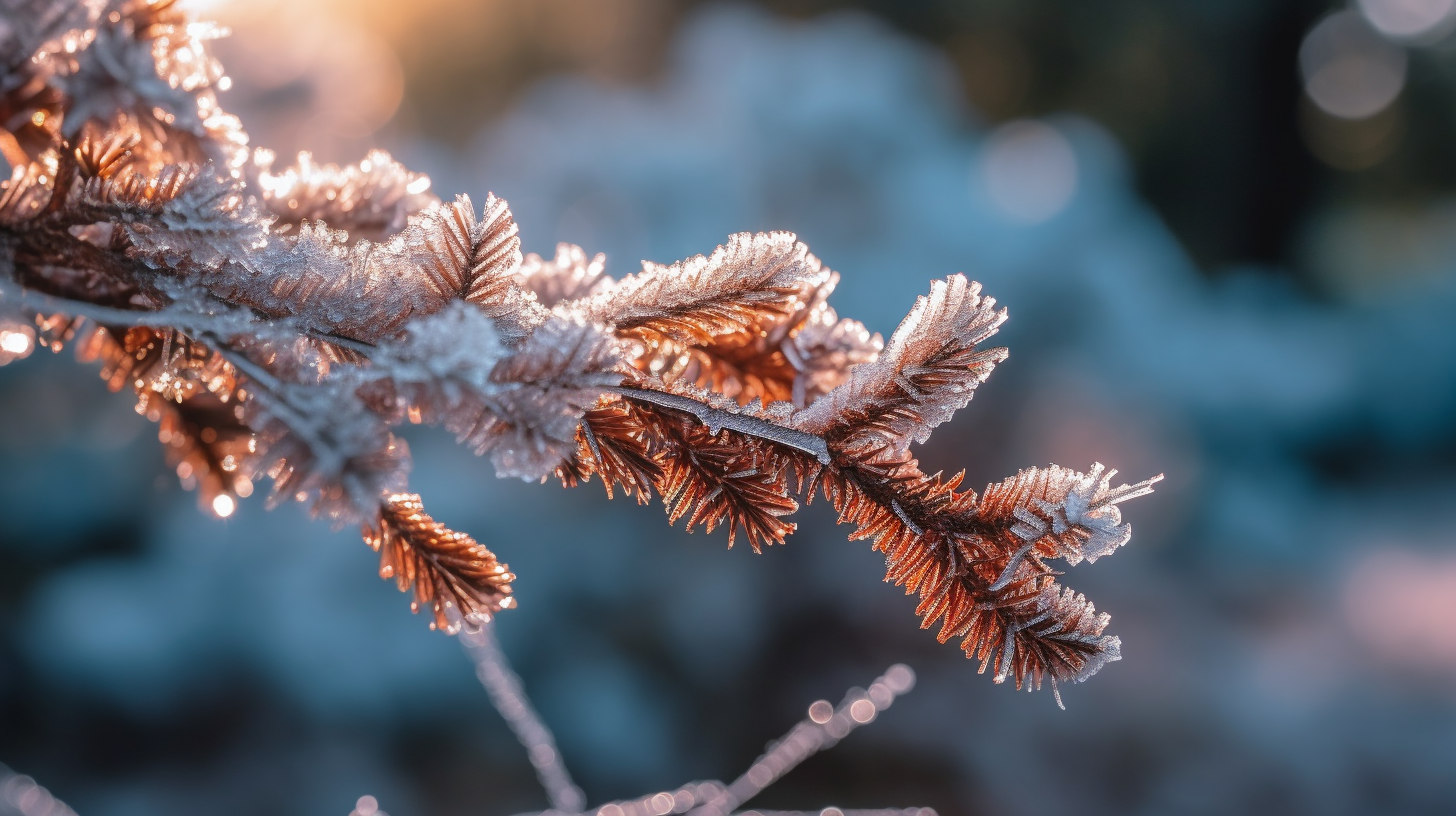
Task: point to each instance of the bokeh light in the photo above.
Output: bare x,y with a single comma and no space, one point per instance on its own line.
1352,144
301,90
17,341
1349,69
367,806
1029,170
1401,605
1418,20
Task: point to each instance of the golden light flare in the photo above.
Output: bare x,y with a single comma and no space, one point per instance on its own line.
16,343
224,505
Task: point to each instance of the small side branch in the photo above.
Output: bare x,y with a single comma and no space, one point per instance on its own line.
21,796
106,315
509,698
824,727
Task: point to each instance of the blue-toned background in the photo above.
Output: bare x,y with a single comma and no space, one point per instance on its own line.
1226,234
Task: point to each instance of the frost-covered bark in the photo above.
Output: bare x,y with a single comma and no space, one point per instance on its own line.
279,323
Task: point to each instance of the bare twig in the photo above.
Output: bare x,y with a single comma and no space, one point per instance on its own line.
21,796
509,698
822,728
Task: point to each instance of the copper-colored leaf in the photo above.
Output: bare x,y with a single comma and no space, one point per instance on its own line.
769,357
567,276
794,357
453,576
372,199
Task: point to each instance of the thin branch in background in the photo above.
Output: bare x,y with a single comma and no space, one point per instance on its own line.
509,698
825,725
823,728
834,811
21,796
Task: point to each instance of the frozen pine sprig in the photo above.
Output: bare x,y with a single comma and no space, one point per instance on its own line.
452,575
1064,513
279,324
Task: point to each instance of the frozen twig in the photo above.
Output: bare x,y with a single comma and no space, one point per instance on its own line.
509,698
21,796
834,811
823,728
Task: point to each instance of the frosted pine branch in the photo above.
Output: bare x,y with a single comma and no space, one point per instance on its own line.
280,324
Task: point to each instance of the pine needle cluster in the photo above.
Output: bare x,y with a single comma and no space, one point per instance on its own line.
279,325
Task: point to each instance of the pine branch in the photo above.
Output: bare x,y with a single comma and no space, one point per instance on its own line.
454,577
977,565
281,324
717,417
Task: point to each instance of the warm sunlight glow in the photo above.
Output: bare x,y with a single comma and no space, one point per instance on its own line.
15,343
224,505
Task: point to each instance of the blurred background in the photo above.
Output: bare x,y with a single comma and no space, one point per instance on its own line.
1226,234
